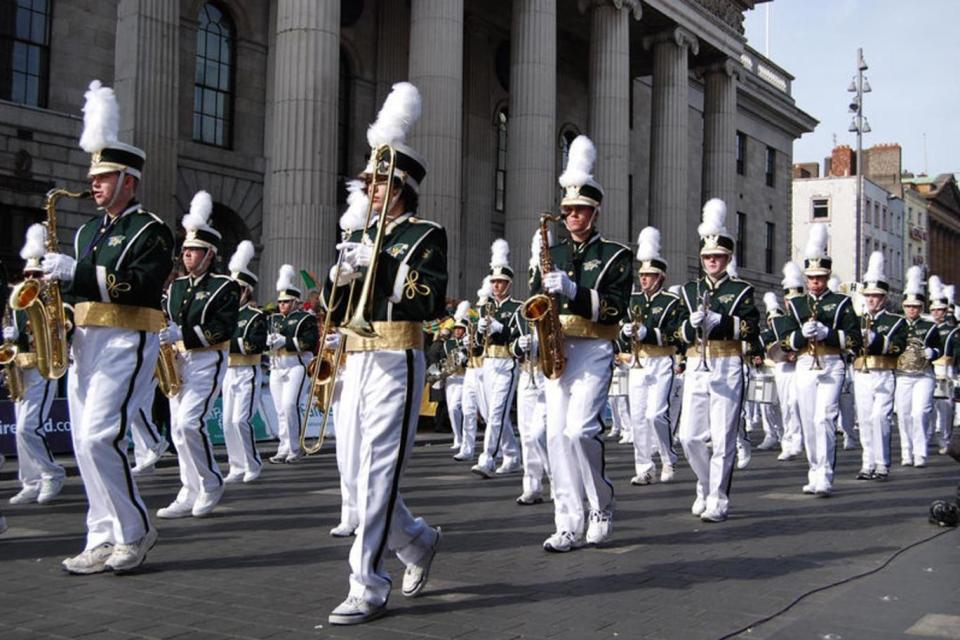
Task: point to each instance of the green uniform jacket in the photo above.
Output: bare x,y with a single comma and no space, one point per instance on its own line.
926,332
835,311
299,328
250,336
126,262
732,298
659,314
602,271
411,280
518,327
951,346
503,312
890,335
777,331
205,308
944,329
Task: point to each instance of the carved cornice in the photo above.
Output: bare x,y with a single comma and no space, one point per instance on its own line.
727,11
678,36
633,6
728,66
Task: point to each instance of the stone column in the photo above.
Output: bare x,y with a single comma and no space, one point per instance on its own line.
300,221
668,144
393,46
531,127
609,126
720,132
436,69
146,67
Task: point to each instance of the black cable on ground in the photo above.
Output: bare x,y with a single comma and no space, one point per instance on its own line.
807,594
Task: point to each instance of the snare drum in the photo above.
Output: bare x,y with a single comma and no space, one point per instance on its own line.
762,388
620,382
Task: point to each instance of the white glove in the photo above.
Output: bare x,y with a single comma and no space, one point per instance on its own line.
711,320
170,334
347,274
356,254
10,334
525,342
814,330
275,341
641,332
489,325
558,282
461,358
331,341
58,266
869,336
628,330
696,319
928,353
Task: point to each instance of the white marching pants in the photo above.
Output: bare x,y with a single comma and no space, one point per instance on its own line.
453,391
818,394
144,432
241,397
380,402
914,403
202,373
288,388
676,402
848,410
575,432
619,415
650,388
471,404
943,416
711,413
348,455
34,457
874,395
791,439
499,388
532,423
108,382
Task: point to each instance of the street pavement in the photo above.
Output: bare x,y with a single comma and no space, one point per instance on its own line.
263,566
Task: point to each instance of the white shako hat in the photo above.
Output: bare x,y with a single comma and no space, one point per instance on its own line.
774,310
937,293
239,265
816,261
913,293
714,237
579,186
875,280
648,252
484,292
34,246
500,261
460,315
101,122
732,270
400,111
286,287
200,235
792,282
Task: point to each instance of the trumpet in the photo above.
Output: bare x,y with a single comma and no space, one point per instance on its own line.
812,344
531,367
638,320
866,322
8,356
488,313
702,334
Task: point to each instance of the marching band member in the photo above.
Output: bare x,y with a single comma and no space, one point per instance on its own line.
915,382
884,338
771,356
750,411
620,425
384,375
714,388
242,382
149,444
122,260
648,334
499,367
453,386
291,339
202,308
845,418
941,300
676,389
41,477
826,325
784,373
472,400
591,281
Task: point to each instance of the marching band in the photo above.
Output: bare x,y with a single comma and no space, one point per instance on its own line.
692,364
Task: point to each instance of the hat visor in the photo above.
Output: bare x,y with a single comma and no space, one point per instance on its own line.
651,271
873,291
715,251
103,168
578,200
817,271
194,243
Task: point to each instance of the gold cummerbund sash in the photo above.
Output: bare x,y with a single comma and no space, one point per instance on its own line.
718,349
121,316
394,336
875,362
474,362
821,350
498,351
656,351
26,360
943,361
214,347
580,327
243,359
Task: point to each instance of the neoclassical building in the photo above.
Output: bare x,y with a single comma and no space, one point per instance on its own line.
265,104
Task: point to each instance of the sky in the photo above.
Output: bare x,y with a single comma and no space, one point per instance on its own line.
913,53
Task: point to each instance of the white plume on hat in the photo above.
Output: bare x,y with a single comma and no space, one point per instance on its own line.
286,279
399,113
714,218
875,268
35,246
101,118
241,258
200,209
771,302
499,253
817,242
357,203
674,289
648,244
580,158
833,283
484,291
935,287
792,276
949,291
535,247
732,268
914,284
462,310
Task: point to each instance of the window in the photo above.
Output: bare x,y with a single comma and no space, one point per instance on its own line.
821,208
771,166
768,264
741,152
500,189
213,81
741,239
25,51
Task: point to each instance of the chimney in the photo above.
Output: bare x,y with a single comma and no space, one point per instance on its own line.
843,162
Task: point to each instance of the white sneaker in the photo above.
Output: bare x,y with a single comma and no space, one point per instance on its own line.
250,476
277,459
919,463
154,454
49,490
233,477
206,502
416,575
809,489
613,434
90,561
140,471
26,495
786,455
823,489
699,506
460,457
127,557
625,439
294,458
562,542
481,471
767,444
906,462
455,446
506,469
529,498
667,473
743,456
642,479
356,610
713,515
600,527
342,530
175,509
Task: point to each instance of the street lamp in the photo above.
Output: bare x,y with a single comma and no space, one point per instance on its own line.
860,126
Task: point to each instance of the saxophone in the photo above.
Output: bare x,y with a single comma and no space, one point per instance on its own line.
542,312
42,302
12,373
167,372
635,345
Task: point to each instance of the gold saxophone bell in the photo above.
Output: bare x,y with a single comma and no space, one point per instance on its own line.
13,376
542,312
